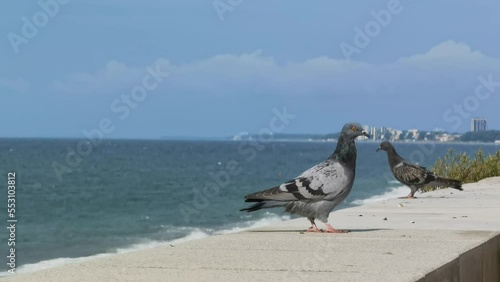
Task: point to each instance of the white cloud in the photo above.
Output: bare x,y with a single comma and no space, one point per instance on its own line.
449,49
451,54
448,64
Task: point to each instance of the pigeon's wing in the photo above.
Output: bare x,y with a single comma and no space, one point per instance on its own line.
326,179
410,174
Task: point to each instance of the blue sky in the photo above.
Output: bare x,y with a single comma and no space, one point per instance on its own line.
66,66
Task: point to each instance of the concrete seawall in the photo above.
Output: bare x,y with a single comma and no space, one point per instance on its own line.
445,235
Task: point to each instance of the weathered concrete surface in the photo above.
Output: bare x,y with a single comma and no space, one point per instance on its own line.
445,235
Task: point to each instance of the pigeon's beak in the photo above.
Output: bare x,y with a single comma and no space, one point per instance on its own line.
365,134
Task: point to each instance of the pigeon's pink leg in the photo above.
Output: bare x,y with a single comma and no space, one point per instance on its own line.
331,230
313,228
410,196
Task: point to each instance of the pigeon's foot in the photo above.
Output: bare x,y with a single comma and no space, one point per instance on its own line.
314,229
330,229
407,197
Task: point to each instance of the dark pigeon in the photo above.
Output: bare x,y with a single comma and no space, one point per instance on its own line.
412,175
318,190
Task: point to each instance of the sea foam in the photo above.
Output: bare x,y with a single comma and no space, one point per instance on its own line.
391,193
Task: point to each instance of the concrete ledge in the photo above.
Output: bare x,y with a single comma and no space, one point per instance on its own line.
444,235
481,263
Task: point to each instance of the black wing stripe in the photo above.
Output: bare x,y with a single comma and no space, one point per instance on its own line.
297,186
294,189
307,184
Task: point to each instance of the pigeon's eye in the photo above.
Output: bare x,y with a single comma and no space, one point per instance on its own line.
353,128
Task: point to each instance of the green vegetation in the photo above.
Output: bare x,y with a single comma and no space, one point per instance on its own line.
466,169
481,136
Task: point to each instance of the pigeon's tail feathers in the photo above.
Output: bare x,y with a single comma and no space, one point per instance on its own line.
270,198
261,204
272,194
446,182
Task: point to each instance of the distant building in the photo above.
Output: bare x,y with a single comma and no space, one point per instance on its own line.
373,132
414,133
445,137
478,124
397,134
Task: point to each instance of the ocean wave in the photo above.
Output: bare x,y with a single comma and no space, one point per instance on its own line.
391,193
270,218
194,233
46,264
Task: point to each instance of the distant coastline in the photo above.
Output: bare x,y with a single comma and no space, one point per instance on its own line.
382,133
364,141
256,137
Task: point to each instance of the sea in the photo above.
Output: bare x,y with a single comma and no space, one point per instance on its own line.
77,200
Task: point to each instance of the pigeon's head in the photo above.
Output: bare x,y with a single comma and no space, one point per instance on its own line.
386,145
352,130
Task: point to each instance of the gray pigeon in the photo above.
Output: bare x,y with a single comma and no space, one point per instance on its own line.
412,175
318,190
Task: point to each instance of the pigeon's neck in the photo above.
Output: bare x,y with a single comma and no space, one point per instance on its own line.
345,152
393,157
